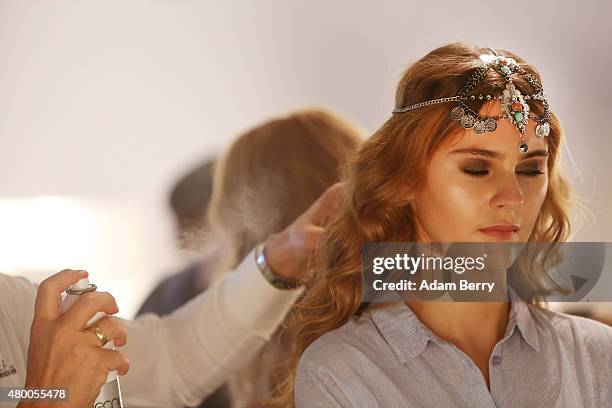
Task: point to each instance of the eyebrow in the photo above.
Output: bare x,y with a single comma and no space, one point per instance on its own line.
496,155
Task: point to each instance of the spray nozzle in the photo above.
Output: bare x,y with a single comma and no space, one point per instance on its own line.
82,284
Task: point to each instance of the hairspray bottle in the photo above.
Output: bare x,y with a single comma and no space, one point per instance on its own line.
110,393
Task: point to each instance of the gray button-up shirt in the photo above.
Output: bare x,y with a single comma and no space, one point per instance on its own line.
389,358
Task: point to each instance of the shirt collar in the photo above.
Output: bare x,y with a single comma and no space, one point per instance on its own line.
403,331
521,316
408,336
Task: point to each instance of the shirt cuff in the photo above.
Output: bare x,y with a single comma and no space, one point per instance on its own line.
259,305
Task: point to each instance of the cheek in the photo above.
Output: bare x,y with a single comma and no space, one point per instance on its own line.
450,205
535,194
459,193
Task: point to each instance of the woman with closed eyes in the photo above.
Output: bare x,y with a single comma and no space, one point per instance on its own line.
470,154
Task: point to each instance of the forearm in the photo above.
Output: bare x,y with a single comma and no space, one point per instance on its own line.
179,359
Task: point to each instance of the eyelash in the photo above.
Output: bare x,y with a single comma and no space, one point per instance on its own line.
482,173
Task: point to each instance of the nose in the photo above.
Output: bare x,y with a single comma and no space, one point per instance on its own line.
508,193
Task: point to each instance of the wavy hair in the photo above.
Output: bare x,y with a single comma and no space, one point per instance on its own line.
393,161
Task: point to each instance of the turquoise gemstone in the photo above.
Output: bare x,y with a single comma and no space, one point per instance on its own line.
505,69
518,116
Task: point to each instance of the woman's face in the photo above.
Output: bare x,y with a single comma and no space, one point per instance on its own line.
483,181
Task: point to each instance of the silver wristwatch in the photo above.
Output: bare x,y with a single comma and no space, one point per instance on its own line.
274,279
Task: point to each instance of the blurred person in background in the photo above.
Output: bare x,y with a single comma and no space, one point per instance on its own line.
267,177
189,199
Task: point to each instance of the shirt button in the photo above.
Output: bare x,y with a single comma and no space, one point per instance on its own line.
497,360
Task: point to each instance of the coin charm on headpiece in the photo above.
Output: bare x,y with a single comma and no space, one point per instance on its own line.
467,121
479,127
490,125
457,113
513,104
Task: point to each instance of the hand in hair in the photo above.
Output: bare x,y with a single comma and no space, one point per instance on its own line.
288,251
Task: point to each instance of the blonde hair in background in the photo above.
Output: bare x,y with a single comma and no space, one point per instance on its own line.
267,178
387,167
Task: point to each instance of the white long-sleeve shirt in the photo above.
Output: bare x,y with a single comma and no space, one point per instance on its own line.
176,360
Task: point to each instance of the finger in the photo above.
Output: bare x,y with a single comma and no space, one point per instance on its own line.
49,294
114,360
326,204
112,328
87,306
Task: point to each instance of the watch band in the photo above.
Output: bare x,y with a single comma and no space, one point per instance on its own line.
275,280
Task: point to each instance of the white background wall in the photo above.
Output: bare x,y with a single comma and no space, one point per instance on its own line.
104,103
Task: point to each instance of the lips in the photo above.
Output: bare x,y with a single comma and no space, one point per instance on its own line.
502,231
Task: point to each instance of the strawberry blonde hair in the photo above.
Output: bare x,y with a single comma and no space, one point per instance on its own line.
375,209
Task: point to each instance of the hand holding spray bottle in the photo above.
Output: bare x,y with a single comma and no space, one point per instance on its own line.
110,393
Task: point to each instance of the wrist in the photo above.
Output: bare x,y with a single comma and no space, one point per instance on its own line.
276,279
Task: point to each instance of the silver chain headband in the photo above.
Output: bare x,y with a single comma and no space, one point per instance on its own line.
513,104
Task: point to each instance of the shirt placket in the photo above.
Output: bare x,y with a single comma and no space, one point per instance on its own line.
480,397
496,364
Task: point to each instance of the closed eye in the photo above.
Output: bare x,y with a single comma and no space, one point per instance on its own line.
484,172
476,173
531,173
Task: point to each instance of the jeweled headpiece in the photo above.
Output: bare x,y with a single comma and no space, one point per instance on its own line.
514,106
